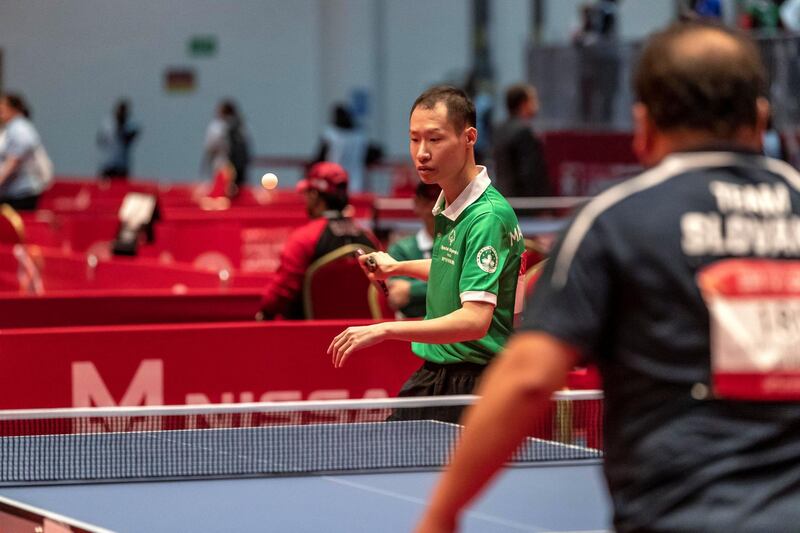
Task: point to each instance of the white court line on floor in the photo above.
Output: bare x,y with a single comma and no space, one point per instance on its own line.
472,514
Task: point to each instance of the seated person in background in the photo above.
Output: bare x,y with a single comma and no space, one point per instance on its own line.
407,295
325,190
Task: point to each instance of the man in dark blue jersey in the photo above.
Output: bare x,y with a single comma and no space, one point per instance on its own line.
683,286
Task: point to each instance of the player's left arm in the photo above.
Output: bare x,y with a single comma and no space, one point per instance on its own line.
516,391
471,321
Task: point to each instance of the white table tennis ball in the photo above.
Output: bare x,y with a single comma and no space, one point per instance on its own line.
269,180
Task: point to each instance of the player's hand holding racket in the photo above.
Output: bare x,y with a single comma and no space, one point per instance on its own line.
375,271
377,265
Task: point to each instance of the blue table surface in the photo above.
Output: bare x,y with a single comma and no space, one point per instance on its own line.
541,498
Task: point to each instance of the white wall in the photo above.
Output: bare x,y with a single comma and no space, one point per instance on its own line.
426,42
509,33
73,59
285,61
348,44
639,18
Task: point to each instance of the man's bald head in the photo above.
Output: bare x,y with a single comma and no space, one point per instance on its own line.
700,77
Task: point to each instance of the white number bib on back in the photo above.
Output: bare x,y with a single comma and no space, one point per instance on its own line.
754,309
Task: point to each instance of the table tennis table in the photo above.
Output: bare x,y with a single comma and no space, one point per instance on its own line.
333,477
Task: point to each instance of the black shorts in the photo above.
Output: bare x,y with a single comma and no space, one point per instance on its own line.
433,379
22,203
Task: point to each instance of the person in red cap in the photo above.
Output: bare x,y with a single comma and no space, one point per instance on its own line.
325,191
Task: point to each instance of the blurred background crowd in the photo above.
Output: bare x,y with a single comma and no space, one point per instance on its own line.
151,89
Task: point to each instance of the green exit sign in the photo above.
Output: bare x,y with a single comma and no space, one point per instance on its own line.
203,46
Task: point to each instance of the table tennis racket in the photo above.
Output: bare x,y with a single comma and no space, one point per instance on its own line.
372,266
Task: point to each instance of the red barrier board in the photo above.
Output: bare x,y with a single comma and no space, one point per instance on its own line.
582,163
178,364
248,245
80,308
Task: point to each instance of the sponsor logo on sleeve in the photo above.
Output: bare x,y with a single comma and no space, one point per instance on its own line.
487,259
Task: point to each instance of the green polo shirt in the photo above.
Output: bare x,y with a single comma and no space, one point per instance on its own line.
476,256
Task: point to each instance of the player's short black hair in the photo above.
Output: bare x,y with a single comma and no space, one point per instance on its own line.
228,108
700,76
460,109
17,101
516,95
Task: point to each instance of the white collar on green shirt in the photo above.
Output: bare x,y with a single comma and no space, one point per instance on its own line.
467,197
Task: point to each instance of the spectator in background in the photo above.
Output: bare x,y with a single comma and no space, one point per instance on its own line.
598,60
761,15
790,15
25,169
598,23
520,166
773,143
115,139
707,8
227,146
407,295
345,144
325,190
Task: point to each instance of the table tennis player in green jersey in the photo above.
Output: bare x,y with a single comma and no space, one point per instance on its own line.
475,267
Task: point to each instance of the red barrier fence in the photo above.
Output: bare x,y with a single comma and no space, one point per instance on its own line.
177,364
75,195
197,363
81,216
61,271
581,163
121,307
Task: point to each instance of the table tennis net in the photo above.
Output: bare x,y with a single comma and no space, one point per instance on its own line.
260,439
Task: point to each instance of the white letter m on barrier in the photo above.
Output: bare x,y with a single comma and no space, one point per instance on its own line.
146,387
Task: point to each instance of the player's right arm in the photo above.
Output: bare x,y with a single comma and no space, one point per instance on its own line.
385,266
516,391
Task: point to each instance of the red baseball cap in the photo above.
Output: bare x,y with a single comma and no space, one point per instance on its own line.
324,177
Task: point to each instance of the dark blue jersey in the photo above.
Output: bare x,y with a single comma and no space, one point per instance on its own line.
622,285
